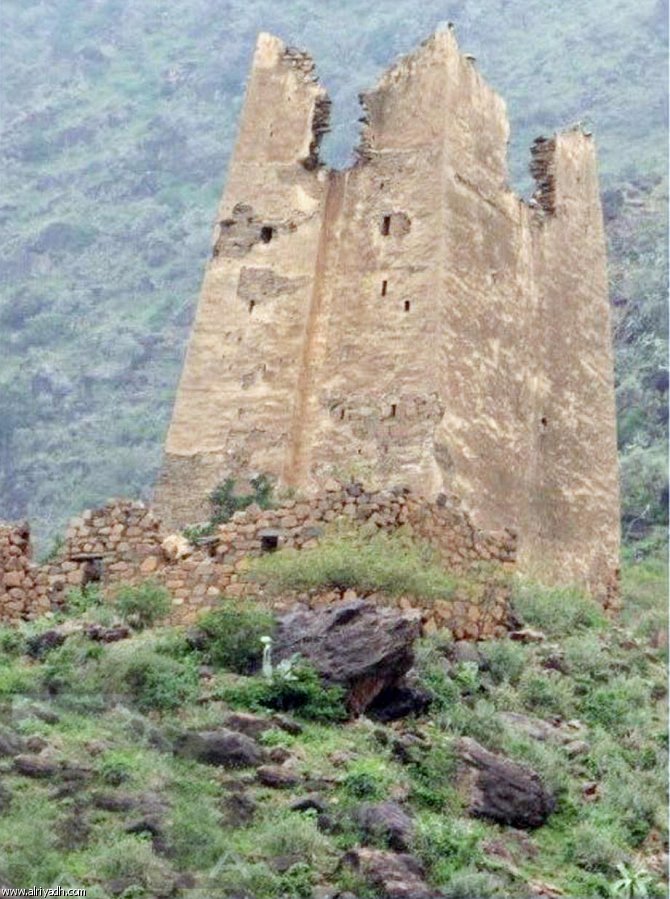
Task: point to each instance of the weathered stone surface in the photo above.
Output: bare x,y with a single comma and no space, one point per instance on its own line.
385,820
398,876
500,789
400,700
102,634
323,381
362,647
223,747
277,777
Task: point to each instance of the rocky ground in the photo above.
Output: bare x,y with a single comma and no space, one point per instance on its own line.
139,760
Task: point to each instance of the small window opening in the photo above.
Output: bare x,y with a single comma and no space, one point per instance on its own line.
385,285
252,303
269,543
267,233
407,305
341,414
386,225
393,410
543,421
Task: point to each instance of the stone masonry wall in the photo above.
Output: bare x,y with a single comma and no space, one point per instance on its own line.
123,543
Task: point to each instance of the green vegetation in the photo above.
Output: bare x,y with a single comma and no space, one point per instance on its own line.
144,605
227,498
297,689
390,563
118,121
233,633
111,712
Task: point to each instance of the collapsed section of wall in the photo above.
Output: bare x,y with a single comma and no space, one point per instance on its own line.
123,543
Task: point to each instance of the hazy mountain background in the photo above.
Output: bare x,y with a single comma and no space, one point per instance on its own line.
118,118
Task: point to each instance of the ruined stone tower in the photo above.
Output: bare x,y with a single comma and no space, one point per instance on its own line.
409,320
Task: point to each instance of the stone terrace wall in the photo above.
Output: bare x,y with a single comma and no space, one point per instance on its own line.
123,543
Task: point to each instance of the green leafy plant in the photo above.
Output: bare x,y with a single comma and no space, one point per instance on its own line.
296,688
634,882
143,605
226,500
233,634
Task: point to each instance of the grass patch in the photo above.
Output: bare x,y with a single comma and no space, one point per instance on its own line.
557,611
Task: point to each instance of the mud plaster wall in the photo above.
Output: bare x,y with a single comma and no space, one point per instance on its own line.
124,543
408,320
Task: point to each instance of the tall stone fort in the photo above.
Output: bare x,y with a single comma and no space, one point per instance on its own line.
408,320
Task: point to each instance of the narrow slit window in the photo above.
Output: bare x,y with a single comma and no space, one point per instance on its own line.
386,225
385,285
252,303
341,414
267,233
407,305
394,409
543,421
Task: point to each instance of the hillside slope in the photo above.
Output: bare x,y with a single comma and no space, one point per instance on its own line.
131,764
118,118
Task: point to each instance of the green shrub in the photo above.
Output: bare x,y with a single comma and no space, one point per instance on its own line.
225,501
594,847
506,660
367,779
114,769
557,611
129,858
354,559
446,845
12,643
620,706
303,694
546,693
72,668
155,681
432,773
233,635
79,600
144,605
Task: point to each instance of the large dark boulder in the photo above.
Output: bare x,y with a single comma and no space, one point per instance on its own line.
361,646
500,789
223,747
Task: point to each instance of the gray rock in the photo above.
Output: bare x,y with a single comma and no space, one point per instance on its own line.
358,645
223,747
277,777
500,789
398,876
386,820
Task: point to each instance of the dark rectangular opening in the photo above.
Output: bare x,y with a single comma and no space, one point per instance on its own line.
267,233
406,305
393,410
252,303
269,543
386,225
385,285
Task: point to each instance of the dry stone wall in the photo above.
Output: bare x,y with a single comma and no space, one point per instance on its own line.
123,543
